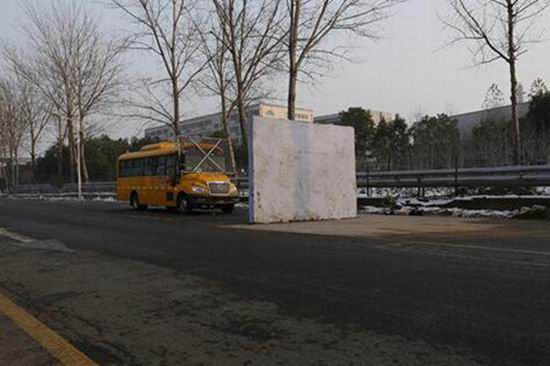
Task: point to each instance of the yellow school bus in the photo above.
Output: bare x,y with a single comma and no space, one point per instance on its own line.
183,176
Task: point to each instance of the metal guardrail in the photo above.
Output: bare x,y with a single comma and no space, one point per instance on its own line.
94,187
517,176
514,176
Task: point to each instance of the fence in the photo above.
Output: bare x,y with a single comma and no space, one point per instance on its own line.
517,176
523,176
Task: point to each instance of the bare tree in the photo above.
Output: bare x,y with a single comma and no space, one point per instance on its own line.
252,34
36,111
47,67
219,81
498,30
97,79
13,127
493,97
75,66
311,24
3,149
167,31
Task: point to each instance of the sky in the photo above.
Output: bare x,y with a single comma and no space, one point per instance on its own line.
408,71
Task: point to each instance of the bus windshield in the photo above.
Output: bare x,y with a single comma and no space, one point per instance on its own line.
214,164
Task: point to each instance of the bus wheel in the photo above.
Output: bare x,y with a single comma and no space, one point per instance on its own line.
228,209
184,204
134,202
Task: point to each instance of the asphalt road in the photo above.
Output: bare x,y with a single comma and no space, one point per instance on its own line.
487,292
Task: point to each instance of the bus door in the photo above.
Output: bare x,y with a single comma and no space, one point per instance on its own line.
161,181
169,181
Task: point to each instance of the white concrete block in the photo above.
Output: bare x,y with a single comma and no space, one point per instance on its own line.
301,171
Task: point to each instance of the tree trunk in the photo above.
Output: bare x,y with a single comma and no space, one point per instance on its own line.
60,160
83,165
240,99
237,64
292,94
225,122
33,163
33,154
176,100
82,147
11,170
242,120
515,118
513,84
71,139
295,8
16,170
60,139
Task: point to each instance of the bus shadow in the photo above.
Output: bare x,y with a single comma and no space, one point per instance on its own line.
239,216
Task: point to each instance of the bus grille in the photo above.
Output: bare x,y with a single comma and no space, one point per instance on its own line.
219,188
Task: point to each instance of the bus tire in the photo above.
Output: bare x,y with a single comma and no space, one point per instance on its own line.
184,204
228,209
134,202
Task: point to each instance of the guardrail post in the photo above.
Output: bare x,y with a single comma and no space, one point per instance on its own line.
456,178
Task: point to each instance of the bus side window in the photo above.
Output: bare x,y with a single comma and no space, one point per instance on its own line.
161,165
130,168
171,165
138,167
150,166
134,168
147,167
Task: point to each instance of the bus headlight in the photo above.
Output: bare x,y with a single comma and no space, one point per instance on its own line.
199,189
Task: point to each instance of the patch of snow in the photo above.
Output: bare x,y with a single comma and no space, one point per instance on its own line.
375,210
100,196
505,196
104,199
397,193
455,212
423,202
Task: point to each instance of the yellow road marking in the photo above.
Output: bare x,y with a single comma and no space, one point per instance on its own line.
58,347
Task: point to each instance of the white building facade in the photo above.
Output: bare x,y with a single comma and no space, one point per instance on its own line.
467,121
205,126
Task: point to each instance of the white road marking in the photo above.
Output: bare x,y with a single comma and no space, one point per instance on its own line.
15,236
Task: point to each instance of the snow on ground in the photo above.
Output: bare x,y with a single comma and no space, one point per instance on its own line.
103,197
433,193
403,192
455,212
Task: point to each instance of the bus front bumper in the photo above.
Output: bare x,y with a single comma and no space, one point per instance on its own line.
214,200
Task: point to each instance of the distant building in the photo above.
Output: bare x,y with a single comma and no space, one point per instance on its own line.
334,118
205,126
467,121
24,170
